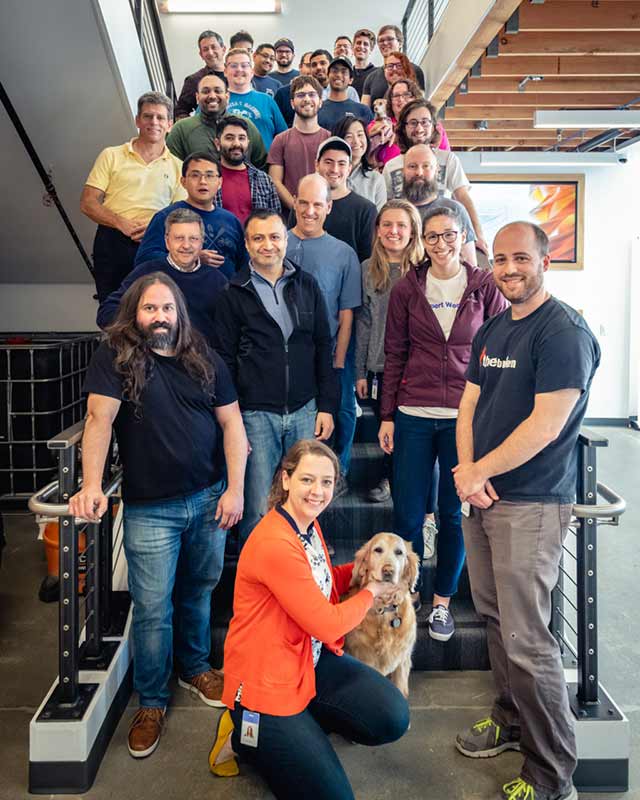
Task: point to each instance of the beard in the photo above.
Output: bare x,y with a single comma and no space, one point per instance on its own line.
417,190
525,290
160,336
232,156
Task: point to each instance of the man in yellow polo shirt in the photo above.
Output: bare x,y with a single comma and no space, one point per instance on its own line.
125,188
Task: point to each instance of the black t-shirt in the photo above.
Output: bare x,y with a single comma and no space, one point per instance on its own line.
512,361
171,450
352,220
360,76
376,84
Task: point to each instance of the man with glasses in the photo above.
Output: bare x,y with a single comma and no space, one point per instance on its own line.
293,153
223,246
364,43
263,59
337,105
211,49
198,133
420,187
284,73
246,101
343,47
183,234
390,40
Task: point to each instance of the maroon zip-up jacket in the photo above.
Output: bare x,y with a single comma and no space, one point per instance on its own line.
421,367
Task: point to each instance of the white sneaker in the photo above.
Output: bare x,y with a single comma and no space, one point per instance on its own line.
429,531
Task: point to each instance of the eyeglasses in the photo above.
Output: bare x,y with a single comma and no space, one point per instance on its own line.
244,65
401,96
448,236
412,124
304,95
394,66
198,176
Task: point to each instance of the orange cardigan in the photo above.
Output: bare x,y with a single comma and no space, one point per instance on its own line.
277,607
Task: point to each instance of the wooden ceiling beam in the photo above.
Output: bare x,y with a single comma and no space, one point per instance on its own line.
571,16
543,100
607,85
564,43
503,143
563,66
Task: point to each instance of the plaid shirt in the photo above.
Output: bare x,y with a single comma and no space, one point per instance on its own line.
263,191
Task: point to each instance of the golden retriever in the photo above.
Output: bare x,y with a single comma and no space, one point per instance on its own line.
386,636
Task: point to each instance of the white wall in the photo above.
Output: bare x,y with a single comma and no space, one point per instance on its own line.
603,289
309,25
39,307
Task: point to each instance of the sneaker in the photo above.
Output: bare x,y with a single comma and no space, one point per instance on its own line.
145,731
519,789
485,739
429,531
207,686
381,492
222,761
441,625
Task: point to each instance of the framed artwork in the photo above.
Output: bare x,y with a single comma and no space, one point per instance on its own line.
554,202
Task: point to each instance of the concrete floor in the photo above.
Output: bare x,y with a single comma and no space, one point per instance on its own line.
424,764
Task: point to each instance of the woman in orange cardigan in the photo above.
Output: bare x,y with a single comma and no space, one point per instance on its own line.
287,681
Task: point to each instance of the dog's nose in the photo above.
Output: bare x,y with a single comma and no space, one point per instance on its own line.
387,573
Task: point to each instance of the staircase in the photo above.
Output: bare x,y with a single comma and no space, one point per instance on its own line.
347,524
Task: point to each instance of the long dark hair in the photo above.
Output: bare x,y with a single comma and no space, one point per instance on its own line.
341,128
401,137
134,360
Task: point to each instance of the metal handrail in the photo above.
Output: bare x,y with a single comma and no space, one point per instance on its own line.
613,509
38,503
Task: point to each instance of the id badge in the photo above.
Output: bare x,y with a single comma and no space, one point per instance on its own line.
466,509
250,728
374,388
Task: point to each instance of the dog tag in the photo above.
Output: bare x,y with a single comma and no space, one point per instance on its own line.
250,728
396,622
374,388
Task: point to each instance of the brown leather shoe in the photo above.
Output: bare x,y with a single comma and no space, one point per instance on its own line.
207,686
145,731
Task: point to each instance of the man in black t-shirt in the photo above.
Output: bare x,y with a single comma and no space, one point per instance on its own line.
527,389
158,385
352,217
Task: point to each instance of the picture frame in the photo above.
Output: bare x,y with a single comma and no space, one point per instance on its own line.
554,202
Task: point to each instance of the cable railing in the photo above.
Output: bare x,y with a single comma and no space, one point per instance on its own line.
419,23
154,50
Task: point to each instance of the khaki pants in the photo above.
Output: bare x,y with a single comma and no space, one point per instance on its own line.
513,556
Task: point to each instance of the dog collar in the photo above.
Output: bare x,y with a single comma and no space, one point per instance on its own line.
396,621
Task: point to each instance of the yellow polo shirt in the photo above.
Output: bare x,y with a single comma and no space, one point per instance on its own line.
132,188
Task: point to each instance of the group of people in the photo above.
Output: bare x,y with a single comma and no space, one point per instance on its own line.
276,251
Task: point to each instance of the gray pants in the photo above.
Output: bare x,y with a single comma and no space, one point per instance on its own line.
513,555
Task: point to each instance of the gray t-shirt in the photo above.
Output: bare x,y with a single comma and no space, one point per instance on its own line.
335,266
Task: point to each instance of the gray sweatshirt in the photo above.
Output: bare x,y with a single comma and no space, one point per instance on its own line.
371,318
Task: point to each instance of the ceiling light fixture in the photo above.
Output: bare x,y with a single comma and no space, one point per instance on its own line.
222,6
587,119
526,79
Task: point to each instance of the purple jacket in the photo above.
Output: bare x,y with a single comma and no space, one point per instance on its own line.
421,367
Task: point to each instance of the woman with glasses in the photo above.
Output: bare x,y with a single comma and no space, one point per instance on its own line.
382,131
396,67
363,180
390,40
417,124
433,315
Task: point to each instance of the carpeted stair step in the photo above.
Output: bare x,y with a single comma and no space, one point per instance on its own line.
366,426
365,471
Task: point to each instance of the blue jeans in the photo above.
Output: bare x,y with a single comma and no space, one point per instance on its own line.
346,421
417,442
175,555
294,754
270,436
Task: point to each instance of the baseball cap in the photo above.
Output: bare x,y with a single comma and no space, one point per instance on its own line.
343,61
284,43
333,143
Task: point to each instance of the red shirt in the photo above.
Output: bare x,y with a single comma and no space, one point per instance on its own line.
236,192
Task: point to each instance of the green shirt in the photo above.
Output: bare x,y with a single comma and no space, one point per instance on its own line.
191,135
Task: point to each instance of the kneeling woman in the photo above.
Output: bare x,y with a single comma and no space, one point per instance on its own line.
287,681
